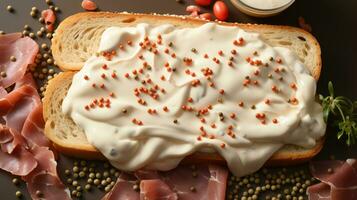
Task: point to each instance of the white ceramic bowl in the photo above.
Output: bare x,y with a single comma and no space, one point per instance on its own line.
260,12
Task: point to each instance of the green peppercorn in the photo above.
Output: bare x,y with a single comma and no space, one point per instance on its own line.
81,174
18,194
136,187
75,183
79,188
45,47
12,58
87,187
79,194
96,181
10,8
49,2
33,14
2,32
57,9
32,35
39,193
74,192
75,175
15,181
103,183
107,188
75,169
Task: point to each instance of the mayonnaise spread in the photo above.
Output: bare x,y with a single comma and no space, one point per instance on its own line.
156,94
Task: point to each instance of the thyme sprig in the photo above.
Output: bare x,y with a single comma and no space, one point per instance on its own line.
344,111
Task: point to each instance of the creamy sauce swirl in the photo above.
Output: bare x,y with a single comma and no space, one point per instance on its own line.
160,93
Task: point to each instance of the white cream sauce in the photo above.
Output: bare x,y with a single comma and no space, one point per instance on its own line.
132,138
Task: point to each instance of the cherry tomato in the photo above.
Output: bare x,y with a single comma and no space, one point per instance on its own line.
206,16
193,8
220,10
203,2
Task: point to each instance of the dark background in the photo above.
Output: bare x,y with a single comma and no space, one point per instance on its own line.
334,24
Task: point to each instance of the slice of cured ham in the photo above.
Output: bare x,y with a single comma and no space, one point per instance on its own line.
25,151
184,182
23,49
338,180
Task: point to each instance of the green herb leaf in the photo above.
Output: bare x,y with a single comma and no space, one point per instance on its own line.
344,111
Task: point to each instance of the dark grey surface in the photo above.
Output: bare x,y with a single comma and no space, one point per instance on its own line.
333,23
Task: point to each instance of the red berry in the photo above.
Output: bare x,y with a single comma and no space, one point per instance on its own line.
203,2
220,10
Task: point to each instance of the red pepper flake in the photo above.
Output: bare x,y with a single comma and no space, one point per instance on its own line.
248,59
163,78
100,105
102,85
241,104
127,75
86,77
294,101
135,72
134,120
140,123
199,138
223,145
220,52
173,55
206,56
92,105
193,74
140,57
276,70
167,51
141,70
234,52
94,85
221,91
211,84
111,94
274,89
263,121
256,72
204,134
202,129
267,101
275,121
256,82
246,82
165,109
293,86
212,137
230,127
233,115
129,42
190,99
260,115
279,60
114,75
203,120
213,125
103,75
105,66
107,105
86,107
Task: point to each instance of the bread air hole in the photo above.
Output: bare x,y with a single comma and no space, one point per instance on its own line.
301,38
286,43
52,125
129,20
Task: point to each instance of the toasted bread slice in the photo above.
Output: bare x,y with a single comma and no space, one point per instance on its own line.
77,38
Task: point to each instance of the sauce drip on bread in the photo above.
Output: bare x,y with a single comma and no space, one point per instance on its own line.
155,94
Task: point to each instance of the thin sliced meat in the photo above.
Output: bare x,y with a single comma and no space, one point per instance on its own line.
17,105
184,182
25,80
50,186
3,92
14,157
338,180
33,129
319,191
123,189
49,16
156,189
208,184
217,182
23,49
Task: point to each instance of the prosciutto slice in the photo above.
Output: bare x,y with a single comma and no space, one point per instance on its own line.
25,151
338,180
208,183
24,49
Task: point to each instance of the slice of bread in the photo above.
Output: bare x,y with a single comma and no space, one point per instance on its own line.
77,38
